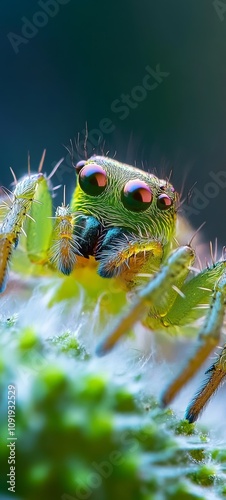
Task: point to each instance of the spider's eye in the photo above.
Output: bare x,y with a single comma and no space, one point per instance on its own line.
136,195
164,202
79,165
93,179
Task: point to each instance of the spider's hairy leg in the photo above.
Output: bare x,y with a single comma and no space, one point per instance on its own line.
12,223
209,336
65,245
151,296
120,253
215,377
217,372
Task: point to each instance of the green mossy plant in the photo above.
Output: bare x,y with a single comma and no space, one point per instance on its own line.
83,431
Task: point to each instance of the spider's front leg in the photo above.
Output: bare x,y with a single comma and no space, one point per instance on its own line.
176,302
154,299
28,210
215,376
208,339
121,253
19,207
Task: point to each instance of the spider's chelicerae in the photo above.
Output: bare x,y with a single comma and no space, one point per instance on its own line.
123,221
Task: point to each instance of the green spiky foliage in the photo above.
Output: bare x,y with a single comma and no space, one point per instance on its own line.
88,428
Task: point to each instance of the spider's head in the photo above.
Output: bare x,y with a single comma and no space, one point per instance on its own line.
122,197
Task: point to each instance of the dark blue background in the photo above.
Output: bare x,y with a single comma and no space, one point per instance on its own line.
90,53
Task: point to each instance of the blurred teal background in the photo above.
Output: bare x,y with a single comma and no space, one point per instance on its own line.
74,64
65,63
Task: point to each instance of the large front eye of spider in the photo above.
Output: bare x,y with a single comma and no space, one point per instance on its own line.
92,179
79,165
164,202
136,195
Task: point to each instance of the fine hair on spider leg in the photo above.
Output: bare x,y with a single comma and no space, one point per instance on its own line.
215,378
208,339
65,246
20,203
12,224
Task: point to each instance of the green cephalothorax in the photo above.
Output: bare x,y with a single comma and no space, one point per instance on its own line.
133,213
119,234
123,196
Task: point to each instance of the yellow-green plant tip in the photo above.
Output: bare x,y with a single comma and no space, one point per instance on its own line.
28,339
